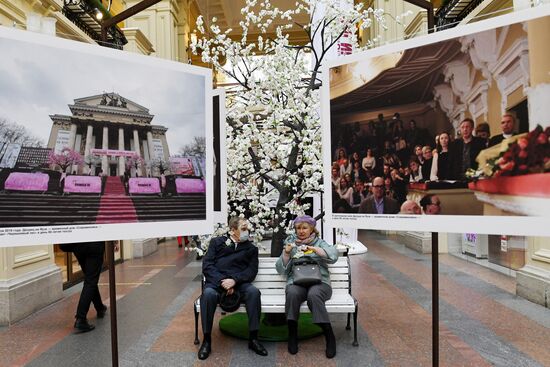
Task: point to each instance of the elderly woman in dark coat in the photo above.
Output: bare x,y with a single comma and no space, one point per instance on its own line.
306,242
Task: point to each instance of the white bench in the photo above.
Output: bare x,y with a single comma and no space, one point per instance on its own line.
272,287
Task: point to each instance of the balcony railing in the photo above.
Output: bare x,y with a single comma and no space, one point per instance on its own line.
454,11
82,13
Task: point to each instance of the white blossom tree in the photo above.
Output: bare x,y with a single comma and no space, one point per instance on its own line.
274,124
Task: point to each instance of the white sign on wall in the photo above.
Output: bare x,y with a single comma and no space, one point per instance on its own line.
158,149
10,156
62,140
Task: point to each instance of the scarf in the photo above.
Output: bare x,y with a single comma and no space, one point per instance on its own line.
308,241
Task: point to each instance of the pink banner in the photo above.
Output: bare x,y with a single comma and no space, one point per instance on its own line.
144,185
113,152
83,184
182,166
21,181
190,185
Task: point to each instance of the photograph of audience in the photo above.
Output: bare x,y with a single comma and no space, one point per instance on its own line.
398,156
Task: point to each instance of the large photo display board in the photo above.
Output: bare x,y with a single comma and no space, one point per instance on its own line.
446,133
93,143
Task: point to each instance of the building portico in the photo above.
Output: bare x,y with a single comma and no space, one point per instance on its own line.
106,129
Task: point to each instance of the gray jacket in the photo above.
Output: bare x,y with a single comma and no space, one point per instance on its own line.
330,250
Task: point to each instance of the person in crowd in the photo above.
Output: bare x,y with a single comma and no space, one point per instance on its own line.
483,131
399,186
410,207
416,172
464,150
378,203
388,188
507,124
229,266
386,170
431,204
441,165
355,158
359,194
418,154
345,191
340,205
335,176
342,160
306,241
369,162
381,129
357,173
390,158
413,135
90,258
426,168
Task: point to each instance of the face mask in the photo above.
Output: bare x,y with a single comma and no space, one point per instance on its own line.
243,236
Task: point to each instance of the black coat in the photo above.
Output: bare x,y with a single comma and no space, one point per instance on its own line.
222,261
455,154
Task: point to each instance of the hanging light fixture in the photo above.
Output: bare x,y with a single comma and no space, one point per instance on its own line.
98,14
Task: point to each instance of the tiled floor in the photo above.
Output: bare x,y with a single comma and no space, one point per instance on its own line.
483,323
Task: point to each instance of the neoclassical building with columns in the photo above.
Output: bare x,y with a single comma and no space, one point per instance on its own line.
108,127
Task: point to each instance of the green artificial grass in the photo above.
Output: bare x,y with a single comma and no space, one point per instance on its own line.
236,325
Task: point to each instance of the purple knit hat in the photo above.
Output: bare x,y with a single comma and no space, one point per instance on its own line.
304,219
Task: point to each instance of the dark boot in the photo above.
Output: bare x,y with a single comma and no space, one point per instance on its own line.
206,347
292,336
330,340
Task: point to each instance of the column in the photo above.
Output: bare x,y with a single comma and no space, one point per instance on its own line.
72,137
137,150
151,149
105,145
121,159
539,77
88,146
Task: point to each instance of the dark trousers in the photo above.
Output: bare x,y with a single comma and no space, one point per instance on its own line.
250,295
316,296
90,258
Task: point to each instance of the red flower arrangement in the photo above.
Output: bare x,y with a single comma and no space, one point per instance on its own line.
529,154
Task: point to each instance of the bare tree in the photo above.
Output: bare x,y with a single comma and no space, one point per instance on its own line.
197,148
12,132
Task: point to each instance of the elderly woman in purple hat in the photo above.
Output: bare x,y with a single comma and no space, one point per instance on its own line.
306,242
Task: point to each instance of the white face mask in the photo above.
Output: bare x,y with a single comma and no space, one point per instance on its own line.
243,236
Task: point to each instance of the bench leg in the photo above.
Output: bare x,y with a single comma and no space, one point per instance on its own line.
348,327
355,343
196,341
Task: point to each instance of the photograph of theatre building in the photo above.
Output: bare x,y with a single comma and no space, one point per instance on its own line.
465,120
106,129
105,137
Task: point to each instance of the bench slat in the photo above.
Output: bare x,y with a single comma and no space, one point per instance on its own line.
341,270
279,278
270,285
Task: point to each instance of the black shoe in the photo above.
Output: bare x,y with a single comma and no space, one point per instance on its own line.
292,337
255,345
82,326
101,312
330,339
204,350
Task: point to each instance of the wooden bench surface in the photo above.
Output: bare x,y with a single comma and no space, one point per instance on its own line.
272,287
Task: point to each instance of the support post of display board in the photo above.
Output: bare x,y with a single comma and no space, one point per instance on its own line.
435,299
112,303
111,249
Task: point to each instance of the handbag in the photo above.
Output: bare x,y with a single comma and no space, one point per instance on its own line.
306,272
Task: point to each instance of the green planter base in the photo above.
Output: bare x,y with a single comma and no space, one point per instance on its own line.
236,325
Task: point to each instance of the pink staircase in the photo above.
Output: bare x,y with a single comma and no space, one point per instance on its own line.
115,206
